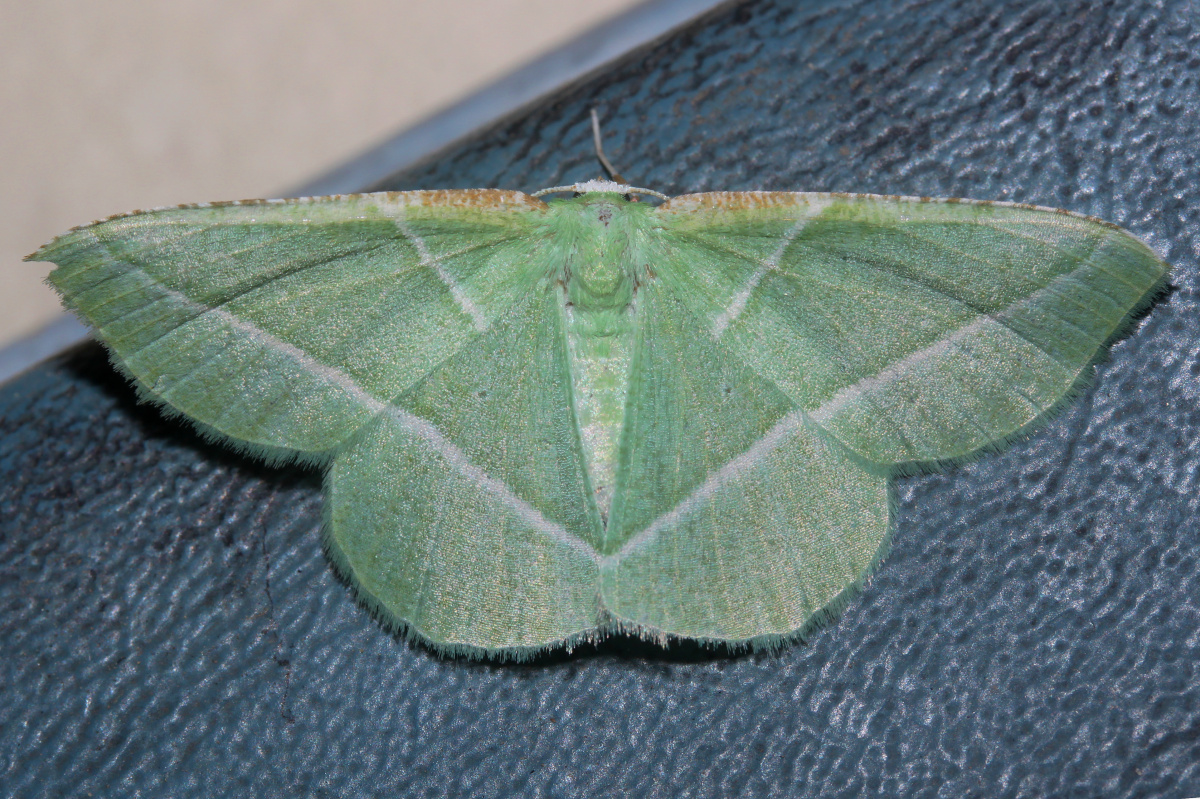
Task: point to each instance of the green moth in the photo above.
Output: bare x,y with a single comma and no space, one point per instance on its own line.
545,420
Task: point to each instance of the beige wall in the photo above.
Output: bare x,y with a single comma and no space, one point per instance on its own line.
122,104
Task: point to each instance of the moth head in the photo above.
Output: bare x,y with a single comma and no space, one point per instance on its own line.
601,186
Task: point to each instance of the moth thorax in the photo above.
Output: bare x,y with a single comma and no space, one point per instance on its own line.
601,276
600,282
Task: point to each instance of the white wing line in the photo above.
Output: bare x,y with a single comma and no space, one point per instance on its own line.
819,415
866,385
713,483
255,333
420,428
462,464
466,303
738,305
822,413
853,392
408,422
335,376
775,436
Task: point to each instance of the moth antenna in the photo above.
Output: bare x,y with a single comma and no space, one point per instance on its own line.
604,162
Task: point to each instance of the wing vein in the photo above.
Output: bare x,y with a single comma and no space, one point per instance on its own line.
1065,253
407,421
969,303
198,307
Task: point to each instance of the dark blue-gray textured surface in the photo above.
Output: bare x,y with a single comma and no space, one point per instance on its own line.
171,628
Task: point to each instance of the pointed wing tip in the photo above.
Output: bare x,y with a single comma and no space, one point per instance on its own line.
45,253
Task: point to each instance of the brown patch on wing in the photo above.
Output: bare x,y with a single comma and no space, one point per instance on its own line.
730,200
740,200
494,199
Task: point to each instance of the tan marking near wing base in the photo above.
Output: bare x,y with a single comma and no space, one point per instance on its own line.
740,200
493,199
498,199
734,200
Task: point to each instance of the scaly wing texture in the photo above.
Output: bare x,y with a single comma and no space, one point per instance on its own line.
415,338
734,519
290,323
464,512
797,348
792,349
910,330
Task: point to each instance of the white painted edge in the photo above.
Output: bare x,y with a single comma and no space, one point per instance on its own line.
548,73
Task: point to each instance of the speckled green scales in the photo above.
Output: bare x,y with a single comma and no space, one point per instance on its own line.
542,421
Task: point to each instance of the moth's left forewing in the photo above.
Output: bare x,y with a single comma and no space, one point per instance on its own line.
910,329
